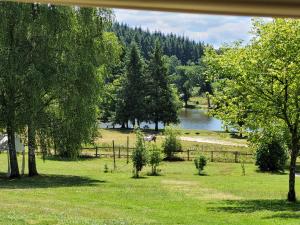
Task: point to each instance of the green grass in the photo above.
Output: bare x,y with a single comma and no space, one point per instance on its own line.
198,102
79,192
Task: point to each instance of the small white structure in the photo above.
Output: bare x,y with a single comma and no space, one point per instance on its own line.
4,143
20,148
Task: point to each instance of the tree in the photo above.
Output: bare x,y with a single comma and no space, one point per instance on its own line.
133,87
155,158
162,103
171,143
271,154
268,71
200,163
140,154
172,45
13,52
76,111
184,81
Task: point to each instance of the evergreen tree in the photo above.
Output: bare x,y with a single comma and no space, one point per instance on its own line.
133,84
171,44
163,102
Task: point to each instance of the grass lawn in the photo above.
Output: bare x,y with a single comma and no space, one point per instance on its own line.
79,192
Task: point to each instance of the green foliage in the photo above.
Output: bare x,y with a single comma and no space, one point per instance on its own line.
181,47
140,154
155,158
171,143
162,104
200,163
267,73
271,153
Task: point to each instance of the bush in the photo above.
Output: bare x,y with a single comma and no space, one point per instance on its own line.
140,154
106,168
200,163
155,158
271,154
171,143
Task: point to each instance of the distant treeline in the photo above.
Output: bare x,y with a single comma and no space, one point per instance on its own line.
183,48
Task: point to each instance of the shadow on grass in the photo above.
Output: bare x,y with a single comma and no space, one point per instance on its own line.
80,158
46,181
272,172
281,208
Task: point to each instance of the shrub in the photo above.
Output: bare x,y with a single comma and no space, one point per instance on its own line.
271,154
243,168
200,163
140,154
155,158
106,168
171,143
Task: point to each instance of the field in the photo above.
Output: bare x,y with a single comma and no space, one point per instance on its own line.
79,192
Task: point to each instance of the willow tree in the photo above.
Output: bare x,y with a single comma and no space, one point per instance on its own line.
75,112
13,54
268,72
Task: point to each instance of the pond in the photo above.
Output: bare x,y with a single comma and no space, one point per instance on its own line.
190,119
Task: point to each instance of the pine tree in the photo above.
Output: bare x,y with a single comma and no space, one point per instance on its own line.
163,102
132,93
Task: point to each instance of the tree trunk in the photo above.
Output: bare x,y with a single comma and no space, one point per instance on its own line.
208,101
123,125
292,192
241,132
185,103
14,168
32,171
156,125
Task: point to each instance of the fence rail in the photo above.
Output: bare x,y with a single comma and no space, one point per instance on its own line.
188,154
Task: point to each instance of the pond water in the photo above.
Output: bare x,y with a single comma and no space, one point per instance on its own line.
192,119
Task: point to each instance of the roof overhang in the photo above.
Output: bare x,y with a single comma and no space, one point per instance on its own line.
275,8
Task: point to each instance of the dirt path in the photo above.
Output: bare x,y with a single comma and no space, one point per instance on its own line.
212,141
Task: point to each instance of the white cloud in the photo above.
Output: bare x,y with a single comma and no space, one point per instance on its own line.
211,29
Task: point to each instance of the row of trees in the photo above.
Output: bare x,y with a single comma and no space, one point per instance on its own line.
142,91
184,49
49,78
257,86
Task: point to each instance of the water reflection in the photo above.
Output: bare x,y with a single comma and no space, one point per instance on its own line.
199,120
193,119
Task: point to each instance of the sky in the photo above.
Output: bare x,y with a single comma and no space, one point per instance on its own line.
212,29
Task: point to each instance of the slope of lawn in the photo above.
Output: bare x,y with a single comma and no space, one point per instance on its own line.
79,192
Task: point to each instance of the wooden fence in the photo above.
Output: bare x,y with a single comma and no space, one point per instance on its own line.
216,155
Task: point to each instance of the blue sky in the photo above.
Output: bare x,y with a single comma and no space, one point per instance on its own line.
212,29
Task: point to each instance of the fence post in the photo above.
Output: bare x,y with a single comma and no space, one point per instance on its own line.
114,154
236,157
188,155
127,150
212,156
96,151
119,156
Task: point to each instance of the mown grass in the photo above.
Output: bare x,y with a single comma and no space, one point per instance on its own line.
79,192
